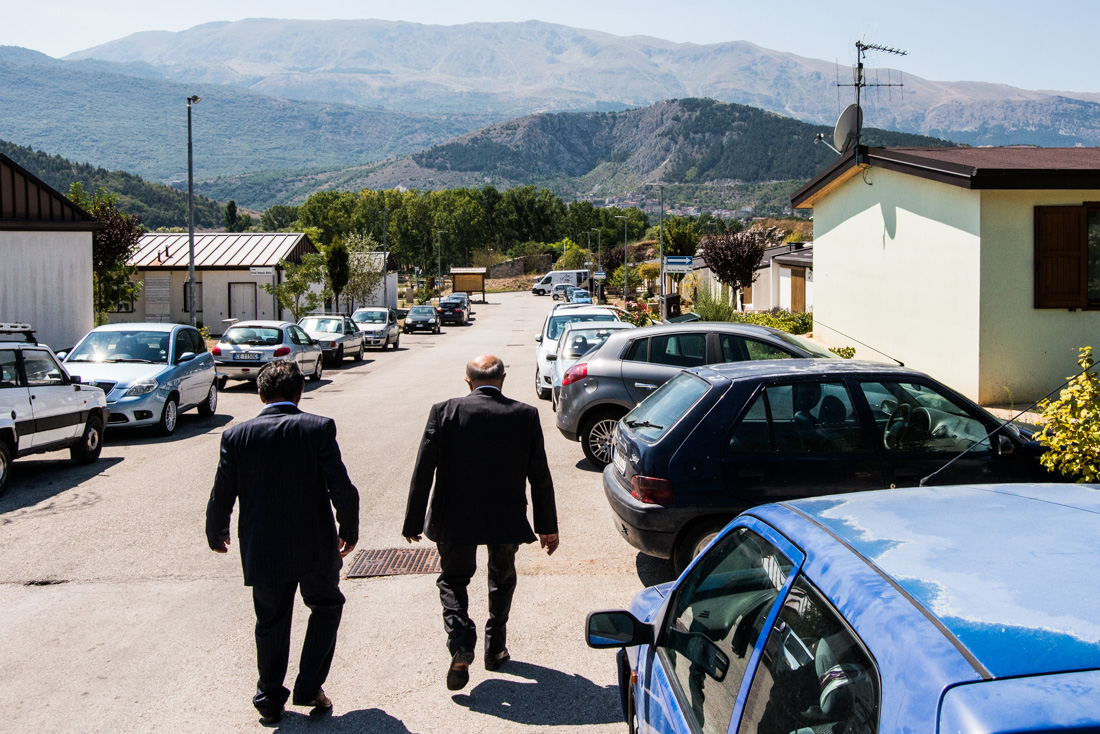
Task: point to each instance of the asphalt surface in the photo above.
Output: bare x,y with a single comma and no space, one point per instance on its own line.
115,617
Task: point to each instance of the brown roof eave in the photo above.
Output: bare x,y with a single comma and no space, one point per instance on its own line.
837,170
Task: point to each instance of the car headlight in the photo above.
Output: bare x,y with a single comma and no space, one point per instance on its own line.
328,345
142,388
431,321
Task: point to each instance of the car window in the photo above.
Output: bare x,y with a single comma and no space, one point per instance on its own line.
303,337
740,349
813,676
326,325
813,348
182,344
918,418
638,351
671,401
715,618
557,323
41,369
583,341
255,336
9,370
122,346
799,418
678,350
198,344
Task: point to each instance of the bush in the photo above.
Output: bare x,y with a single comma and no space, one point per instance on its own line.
710,308
1071,425
843,352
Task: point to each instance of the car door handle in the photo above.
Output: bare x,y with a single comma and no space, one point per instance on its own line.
645,385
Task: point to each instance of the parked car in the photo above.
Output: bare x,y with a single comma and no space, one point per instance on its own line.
547,339
468,303
453,311
577,340
580,295
544,284
603,386
337,335
961,609
421,318
150,372
378,326
715,440
42,407
247,346
561,291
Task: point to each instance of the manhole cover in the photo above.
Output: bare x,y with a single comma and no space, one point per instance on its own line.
394,562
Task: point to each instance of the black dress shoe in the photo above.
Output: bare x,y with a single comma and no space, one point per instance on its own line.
272,719
494,660
320,701
458,673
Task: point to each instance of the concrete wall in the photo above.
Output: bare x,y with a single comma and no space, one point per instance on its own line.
1025,352
897,265
46,281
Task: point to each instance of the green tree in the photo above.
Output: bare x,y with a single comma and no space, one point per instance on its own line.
573,256
1071,425
337,267
733,257
278,217
296,292
112,247
365,269
681,237
235,222
330,212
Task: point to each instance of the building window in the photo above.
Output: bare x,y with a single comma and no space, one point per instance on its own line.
187,299
1067,256
124,306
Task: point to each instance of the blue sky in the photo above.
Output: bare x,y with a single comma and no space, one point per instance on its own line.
1048,45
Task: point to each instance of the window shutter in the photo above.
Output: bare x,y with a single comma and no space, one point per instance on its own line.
1060,257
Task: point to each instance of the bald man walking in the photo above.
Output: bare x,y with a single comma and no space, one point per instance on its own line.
480,450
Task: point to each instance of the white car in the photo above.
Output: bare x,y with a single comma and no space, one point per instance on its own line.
547,339
42,408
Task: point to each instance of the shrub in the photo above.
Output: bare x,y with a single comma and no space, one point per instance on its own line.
843,352
710,308
1071,425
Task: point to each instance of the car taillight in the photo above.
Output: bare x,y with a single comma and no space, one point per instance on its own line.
439,310
216,351
282,351
651,490
458,310
575,373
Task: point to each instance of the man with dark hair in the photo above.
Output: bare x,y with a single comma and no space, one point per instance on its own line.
285,468
480,450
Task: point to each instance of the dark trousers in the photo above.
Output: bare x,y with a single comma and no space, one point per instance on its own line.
274,606
458,562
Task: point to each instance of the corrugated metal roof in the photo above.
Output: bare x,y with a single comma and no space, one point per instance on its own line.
221,250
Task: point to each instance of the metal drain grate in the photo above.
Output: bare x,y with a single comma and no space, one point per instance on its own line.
394,562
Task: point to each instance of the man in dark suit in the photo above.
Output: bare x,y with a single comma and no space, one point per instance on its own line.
480,450
285,468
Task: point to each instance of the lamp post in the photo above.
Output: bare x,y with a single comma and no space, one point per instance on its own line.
191,101
439,266
661,235
599,255
385,263
626,261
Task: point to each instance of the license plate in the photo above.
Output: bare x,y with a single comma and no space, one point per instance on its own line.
618,459
247,355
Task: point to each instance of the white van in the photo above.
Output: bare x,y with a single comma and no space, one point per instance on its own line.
546,283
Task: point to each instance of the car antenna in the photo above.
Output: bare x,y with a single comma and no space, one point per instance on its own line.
857,341
924,482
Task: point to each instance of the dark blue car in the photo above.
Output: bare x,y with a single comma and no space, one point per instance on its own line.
958,610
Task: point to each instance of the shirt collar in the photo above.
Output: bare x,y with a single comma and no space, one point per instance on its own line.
487,387
281,402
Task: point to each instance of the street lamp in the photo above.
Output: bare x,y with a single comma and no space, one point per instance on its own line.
626,261
439,265
385,263
661,241
599,256
191,101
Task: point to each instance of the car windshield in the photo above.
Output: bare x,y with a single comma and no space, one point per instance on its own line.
122,346
657,413
579,342
557,323
329,326
253,336
815,349
580,293
422,311
369,317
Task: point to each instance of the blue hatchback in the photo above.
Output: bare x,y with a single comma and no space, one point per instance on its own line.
951,609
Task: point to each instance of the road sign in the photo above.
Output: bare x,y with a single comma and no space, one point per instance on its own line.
599,275
678,263
269,270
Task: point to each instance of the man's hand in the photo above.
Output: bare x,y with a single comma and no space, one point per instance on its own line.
412,538
223,548
344,548
549,542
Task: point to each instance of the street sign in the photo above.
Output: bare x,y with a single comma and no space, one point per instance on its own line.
599,275
269,270
678,263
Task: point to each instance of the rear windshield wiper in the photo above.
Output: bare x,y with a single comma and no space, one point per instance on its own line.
133,359
643,424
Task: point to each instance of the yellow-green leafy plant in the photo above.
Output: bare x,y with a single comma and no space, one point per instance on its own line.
1071,425
843,352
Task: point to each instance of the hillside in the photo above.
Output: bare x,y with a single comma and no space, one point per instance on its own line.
157,204
94,110
718,154
512,69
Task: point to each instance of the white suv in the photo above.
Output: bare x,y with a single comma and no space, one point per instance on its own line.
42,408
548,339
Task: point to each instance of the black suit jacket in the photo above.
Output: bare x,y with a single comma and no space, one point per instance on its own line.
481,449
284,466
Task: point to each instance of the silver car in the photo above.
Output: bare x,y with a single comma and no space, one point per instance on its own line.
577,340
337,335
247,346
378,326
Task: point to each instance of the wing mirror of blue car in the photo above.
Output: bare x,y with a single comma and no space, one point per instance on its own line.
606,630
185,357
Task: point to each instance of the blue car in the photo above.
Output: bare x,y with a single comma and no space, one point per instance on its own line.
150,372
580,295
951,609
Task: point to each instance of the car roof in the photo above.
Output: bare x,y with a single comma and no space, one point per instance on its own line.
364,309
756,369
140,326
1007,572
268,324
595,325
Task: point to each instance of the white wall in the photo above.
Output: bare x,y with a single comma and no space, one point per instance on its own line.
897,265
1025,352
46,281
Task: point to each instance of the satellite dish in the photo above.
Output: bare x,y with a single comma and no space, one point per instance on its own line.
847,127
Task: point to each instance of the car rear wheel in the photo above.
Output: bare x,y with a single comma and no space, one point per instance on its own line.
91,442
358,357
209,406
596,434
540,391
5,465
693,540
169,417
318,370
396,342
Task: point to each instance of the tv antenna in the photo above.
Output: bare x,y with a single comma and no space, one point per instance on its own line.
849,126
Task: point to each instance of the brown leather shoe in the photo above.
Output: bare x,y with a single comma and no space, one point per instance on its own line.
494,660
320,701
458,672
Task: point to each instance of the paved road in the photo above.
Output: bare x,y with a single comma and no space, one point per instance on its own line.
116,618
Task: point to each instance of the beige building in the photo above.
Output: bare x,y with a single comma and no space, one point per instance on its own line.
979,266
45,258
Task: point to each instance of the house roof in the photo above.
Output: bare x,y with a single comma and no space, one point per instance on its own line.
970,168
26,203
220,250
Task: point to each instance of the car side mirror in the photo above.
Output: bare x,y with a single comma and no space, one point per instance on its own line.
606,630
312,340
552,357
61,355
538,338
75,379
1005,446
185,357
